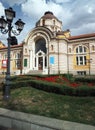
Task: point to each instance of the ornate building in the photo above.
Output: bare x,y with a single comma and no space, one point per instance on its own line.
47,49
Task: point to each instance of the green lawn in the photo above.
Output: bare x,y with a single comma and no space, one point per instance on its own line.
31,100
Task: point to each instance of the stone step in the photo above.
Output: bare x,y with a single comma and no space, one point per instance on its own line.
35,72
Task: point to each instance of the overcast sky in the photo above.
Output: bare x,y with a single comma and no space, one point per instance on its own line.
76,15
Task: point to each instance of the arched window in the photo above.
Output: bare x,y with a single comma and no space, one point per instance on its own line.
81,49
54,22
81,55
25,50
43,22
69,50
93,47
51,47
40,45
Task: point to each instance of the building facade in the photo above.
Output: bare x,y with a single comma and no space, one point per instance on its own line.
47,49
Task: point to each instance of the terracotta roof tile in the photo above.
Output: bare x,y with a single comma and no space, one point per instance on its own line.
82,36
5,47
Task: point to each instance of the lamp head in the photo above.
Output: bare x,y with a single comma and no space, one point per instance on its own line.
3,23
19,25
10,14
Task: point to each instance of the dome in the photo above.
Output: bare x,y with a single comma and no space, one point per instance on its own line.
48,15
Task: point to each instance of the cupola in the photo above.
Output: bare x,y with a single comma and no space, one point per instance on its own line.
50,21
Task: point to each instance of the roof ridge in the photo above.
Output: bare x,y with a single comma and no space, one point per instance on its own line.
82,36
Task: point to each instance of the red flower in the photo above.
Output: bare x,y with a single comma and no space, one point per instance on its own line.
74,85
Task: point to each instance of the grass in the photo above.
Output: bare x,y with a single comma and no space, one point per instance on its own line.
31,100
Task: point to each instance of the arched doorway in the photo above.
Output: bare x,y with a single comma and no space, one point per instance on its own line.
40,62
40,54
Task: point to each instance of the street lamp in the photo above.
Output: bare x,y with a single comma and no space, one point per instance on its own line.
6,27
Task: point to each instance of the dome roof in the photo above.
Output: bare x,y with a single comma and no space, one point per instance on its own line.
48,15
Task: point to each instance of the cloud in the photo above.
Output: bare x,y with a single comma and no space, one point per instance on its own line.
76,15
62,1
86,28
79,16
13,2
2,37
38,8
1,9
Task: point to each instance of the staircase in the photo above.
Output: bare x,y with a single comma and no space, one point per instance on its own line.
35,72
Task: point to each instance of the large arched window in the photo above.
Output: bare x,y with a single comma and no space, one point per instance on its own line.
81,49
81,55
40,45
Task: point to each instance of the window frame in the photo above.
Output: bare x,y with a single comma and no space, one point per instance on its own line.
81,55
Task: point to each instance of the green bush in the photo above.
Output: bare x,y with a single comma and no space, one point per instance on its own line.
83,80
55,88
26,81
85,91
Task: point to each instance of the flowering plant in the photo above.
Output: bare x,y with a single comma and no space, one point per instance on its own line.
65,81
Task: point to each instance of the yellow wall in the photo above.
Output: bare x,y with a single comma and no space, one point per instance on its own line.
81,67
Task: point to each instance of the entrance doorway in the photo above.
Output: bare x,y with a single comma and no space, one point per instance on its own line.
40,63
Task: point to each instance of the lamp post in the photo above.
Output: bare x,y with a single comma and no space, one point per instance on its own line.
6,27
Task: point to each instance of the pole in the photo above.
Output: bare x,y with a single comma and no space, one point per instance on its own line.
7,84
58,59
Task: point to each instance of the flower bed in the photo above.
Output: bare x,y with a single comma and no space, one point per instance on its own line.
63,80
58,84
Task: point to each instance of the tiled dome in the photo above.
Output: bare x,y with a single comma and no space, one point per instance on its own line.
48,15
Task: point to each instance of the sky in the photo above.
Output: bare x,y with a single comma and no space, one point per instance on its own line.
76,15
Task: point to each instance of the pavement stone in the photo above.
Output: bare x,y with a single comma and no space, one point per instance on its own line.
23,121
5,128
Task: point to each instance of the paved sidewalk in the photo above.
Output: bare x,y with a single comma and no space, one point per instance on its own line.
4,128
24,121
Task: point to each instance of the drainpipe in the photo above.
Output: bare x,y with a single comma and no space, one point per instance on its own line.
48,59
89,61
22,61
58,59
67,62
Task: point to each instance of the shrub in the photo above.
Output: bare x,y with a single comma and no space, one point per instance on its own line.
85,91
64,89
56,88
85,80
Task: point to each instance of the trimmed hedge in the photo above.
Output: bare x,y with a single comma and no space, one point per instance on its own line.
55,88
24,81
85,80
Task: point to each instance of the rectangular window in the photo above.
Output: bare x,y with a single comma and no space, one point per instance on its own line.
84,49
77,50
18,64
77,60
45,61
85,60
81,72
81,60
35,62
25,62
